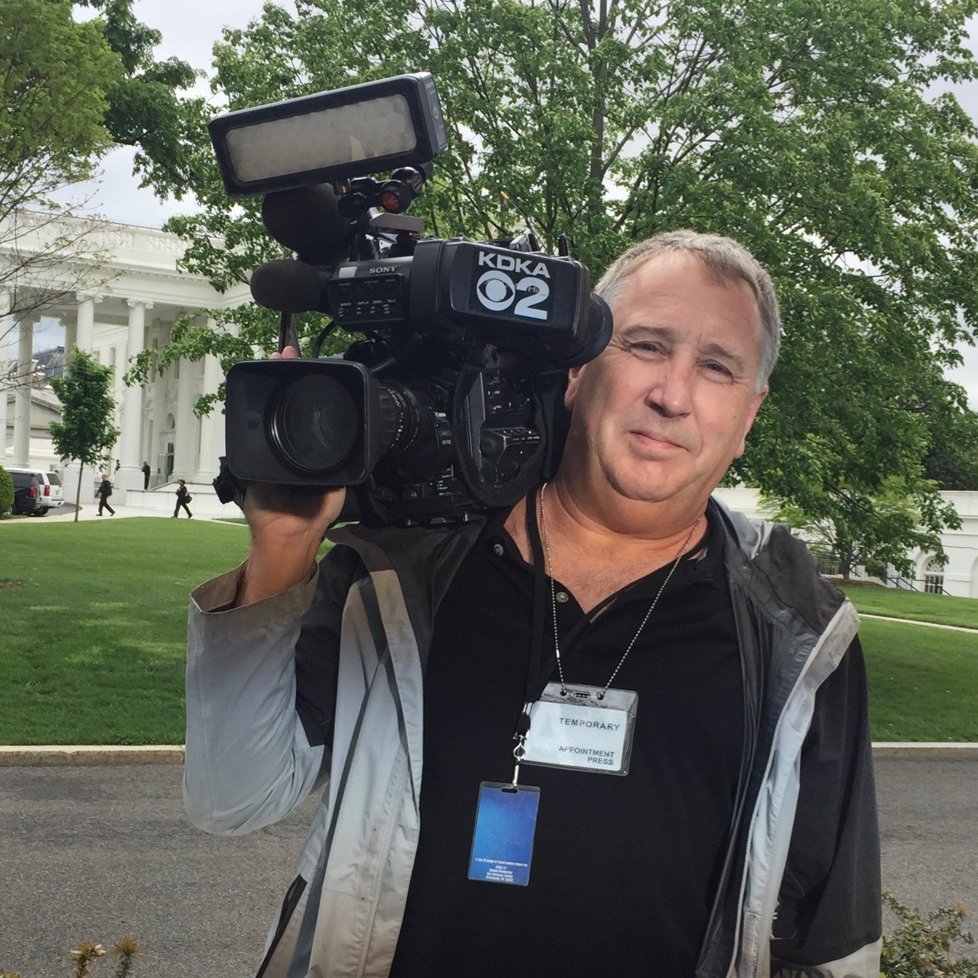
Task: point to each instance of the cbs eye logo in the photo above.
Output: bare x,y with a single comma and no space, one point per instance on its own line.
497,291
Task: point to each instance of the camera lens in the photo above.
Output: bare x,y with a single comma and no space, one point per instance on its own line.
417,440
315,423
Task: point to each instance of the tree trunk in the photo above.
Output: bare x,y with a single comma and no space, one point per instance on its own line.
81,472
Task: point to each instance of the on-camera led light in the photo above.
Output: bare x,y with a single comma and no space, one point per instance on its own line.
330,136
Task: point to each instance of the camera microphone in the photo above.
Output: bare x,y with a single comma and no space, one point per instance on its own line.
290,286
308,222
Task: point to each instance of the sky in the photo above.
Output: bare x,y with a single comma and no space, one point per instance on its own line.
190,28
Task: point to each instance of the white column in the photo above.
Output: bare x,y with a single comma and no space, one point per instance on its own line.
186,438
22,397
154,409
85,323
71,334
211,426
130,473
6,335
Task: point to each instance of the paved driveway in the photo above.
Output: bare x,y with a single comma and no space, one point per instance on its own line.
93,853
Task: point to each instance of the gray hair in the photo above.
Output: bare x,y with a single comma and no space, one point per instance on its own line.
726,259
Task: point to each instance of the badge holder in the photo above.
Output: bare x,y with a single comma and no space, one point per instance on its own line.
582,728
505,826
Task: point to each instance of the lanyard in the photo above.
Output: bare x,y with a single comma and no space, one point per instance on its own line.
542,570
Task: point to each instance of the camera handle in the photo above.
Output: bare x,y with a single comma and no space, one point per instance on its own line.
287,335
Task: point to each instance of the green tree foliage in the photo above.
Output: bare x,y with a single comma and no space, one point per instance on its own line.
808,130
86,431
6,491
145,107
71,91
55,76
874,532
952,456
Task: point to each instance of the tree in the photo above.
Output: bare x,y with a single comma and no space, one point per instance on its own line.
952,455
145,106
806,130
877,535
71,91
54,81
86,432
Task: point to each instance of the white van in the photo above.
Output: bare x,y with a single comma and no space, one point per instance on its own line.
52,492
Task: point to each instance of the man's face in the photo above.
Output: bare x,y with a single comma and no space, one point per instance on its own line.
665,409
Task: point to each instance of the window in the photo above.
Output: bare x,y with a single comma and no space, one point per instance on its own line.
934,577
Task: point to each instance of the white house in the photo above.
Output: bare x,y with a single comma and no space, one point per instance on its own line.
958,577
127,303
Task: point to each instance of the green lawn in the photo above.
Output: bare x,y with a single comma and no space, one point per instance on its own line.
898,603
93,638
923,682
93,631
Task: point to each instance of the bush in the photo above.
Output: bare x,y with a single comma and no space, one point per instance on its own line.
6,491
921,946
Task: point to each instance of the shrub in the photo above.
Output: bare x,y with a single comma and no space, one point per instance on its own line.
921,945
6,494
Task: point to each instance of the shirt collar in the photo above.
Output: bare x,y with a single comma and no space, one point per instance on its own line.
702,565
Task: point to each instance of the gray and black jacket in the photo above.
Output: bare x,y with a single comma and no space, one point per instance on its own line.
323,686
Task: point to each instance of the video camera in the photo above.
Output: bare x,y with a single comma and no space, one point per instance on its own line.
452,403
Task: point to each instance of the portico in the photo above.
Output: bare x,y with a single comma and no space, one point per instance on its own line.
128,302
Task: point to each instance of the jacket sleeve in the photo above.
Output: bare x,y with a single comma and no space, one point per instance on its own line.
829,914
261,684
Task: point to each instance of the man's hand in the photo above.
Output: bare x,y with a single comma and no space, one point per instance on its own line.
287,526
291,513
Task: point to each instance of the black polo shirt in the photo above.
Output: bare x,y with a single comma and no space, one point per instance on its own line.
624,868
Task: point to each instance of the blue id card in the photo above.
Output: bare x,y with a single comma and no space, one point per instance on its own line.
502,843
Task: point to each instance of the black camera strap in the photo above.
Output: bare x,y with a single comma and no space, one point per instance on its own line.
506,812
537,672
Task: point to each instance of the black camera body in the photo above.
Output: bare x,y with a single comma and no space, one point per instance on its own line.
452,403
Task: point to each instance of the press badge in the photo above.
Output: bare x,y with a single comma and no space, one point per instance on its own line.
584,728
502,842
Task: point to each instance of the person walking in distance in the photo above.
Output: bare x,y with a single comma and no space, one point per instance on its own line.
103,492
147,471
183,499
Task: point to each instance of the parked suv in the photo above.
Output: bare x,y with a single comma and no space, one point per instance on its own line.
27,494
51,490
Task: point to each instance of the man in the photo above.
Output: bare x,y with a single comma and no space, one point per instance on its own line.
183,499
103,492
686,694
